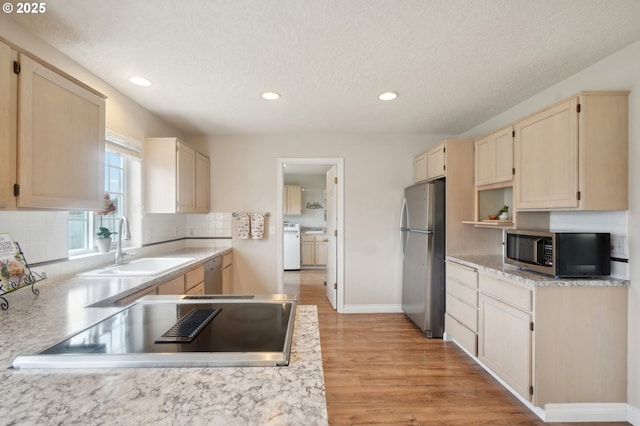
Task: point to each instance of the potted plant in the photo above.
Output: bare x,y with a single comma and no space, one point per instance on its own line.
503,214
104,235
104,239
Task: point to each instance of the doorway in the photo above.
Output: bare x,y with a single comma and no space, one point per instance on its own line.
335,241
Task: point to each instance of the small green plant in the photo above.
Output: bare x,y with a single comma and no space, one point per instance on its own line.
104,233
504,209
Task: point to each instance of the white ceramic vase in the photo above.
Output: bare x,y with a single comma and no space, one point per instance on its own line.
104,244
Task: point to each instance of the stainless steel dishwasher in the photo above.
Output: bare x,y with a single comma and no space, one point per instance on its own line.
213,276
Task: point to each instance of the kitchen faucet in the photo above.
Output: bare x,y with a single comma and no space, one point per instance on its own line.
122,235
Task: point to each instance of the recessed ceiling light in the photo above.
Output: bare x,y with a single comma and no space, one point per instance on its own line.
388,96
270,96
140,81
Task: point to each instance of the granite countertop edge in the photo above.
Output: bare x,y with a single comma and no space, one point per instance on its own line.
494,264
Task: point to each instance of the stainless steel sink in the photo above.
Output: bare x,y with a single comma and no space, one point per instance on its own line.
147,266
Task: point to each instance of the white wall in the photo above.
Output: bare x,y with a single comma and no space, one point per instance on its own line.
376,168
620,71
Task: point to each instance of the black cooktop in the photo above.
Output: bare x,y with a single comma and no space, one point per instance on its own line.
233,327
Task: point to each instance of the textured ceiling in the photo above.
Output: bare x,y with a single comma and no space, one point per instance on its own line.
455,63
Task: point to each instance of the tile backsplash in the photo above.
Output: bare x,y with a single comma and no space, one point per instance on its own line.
41,235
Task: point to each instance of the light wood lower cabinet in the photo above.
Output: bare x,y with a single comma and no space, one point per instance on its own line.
313,249
554,344
194,278
461,318
135,296
174,286
197,289
227,273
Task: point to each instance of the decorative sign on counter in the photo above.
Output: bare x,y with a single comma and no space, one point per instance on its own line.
15,272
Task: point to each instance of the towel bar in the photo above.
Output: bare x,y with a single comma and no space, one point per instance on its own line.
238,214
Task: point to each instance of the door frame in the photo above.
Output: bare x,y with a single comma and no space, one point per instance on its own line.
339,163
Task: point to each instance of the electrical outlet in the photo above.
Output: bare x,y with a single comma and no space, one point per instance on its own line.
619,246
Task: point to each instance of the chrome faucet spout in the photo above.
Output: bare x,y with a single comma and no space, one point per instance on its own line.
123,234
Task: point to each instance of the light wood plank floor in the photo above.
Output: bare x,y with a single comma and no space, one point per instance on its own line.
380,370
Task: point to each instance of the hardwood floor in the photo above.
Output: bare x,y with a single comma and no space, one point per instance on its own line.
380,370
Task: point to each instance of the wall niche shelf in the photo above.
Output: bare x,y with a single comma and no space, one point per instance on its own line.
489,199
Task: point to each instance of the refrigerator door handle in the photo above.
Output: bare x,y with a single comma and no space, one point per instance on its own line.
404,220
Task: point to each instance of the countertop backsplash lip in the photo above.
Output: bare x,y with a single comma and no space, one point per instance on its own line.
495,264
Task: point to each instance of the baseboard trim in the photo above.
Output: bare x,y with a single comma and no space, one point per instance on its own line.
372,309
587,412
633,415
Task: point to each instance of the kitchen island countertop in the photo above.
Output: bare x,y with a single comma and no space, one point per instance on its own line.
495,265
211,396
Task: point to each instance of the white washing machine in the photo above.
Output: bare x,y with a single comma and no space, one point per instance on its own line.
291,233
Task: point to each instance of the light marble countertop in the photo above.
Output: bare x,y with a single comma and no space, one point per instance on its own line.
195,396
494,264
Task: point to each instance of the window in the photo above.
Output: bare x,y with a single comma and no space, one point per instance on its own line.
83,225
122,181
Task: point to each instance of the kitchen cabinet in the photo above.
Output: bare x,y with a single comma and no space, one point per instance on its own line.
573,155
292,199
194,278
554,344
174,286
202,183
50,123
227,273
420,168
170,177
313,250
135,296
461,317
437,161
494,157
196,290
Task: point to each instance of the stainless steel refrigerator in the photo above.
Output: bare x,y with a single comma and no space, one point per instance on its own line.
423,249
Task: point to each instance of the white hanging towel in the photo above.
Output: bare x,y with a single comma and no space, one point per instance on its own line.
243,227
257,226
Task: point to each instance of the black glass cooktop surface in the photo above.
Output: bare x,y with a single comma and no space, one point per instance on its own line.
176,331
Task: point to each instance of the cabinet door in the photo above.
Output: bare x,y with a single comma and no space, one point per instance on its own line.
7,141
420,168
308,253
203,166
504,155
485,161
292,199
436,162
504,343
186,179
61,141
546,157
227,279
321,250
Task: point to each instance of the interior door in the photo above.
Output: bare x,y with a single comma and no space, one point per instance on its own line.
332,246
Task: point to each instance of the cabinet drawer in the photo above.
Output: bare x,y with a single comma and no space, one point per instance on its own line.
194,277
175,286
197,289
461,334
462,274
464,293
467,315
507,291
227,260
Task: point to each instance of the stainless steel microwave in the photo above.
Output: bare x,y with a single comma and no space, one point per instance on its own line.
561,254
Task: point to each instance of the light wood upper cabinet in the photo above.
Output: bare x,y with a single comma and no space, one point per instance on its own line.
494,157
574,155
292,199
52,136
170,169
436,161
420,168
202,184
